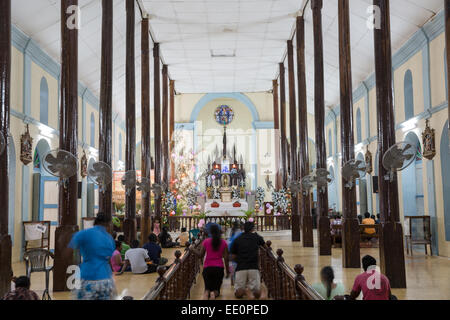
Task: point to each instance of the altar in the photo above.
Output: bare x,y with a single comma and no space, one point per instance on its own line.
225,209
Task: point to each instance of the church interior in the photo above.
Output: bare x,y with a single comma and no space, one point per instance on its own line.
307,118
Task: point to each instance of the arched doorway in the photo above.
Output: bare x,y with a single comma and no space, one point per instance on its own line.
92,196
445,169
332,191
361,191
412,183
45,191
12,187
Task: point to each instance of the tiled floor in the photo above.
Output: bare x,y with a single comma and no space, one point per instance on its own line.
427,277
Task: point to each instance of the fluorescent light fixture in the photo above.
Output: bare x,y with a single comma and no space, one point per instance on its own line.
223,53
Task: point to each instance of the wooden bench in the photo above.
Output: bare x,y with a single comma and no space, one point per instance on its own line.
337,234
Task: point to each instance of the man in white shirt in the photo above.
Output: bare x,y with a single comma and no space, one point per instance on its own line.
138,259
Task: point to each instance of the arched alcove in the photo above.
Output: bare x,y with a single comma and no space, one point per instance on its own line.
445,171
92,126
409,95
43,105
332,190
120,147
12,187
358,126
330,143
361,191
412,183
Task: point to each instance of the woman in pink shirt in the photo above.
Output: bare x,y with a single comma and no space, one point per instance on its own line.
116,259
214,250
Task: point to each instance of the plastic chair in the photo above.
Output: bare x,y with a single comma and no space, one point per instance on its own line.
36,261
193,234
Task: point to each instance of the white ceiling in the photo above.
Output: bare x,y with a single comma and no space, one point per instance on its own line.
256,31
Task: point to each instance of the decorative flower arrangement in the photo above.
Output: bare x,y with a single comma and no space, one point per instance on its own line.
191,197
233,171
216,194
280,200
242,183
170,202
216,172
236,195
260,195
237,204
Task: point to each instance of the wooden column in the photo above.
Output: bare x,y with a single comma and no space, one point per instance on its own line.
5,90
276,121
129,223
165,125
106,84
283,125
350,224
157,116
303,159
145,131
68,141
172,127
319,114
293,133
447,48
392,256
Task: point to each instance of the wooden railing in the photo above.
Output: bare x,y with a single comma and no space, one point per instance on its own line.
262,223
176,283
281,281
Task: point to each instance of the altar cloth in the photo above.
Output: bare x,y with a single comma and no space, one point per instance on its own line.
225,209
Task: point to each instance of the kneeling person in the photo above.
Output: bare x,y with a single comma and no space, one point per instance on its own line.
245,252
138,259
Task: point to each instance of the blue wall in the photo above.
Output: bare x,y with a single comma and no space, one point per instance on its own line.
409,95
43,101
445,167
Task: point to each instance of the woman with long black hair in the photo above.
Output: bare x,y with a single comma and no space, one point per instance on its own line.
327,288
214,251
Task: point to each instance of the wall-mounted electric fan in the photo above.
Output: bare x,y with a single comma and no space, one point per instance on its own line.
353,170
101,174
61,164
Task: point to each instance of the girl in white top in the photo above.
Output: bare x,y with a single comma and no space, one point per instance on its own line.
327,288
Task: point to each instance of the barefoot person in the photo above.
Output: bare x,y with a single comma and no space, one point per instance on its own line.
245,250
214,250
96,247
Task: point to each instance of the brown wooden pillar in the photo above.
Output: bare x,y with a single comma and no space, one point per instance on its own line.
283,139
68,141
145,131
5,90
276,126
129,224
392,256
165,125
172,127
157,116
303,159
447,48
319,114
106,84
350,225
295,217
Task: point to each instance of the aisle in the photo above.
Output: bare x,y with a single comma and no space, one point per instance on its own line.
227,292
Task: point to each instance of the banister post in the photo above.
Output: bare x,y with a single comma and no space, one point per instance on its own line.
299,277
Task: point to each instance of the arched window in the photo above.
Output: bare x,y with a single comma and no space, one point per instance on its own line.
330,144
445,72
43,106
92,130
120,147
409,95
358,126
